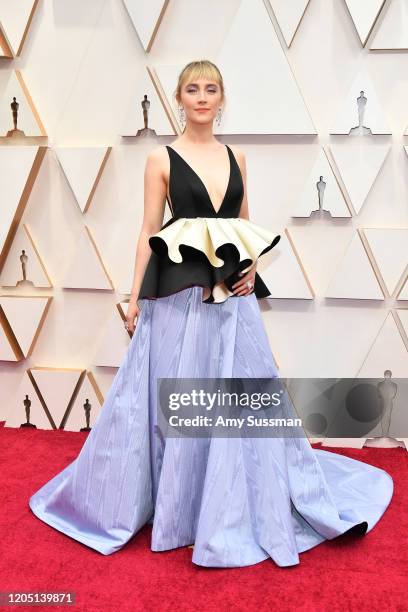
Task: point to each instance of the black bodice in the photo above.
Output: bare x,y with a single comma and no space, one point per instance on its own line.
206,247
189,196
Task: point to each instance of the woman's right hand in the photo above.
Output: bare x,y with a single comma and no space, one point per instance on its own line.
132,315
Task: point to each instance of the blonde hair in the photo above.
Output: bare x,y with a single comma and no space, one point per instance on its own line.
199,69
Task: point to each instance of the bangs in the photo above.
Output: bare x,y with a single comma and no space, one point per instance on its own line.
199,70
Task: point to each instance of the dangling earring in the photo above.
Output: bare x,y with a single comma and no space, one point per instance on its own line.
218,116
182,116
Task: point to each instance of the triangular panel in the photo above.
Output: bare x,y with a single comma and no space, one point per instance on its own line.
86,270
361,112
83,167
56,388
403,317
146,18
19,168
15,22
263,62
289,15
115,340
85,407
403,294
354,277
28,119
25,316
364,14
24,266
359,166
158,118
9,349
393,30
321,192
388,352
26,407
282,271
389,248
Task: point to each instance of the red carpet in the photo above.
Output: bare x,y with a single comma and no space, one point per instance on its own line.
366,572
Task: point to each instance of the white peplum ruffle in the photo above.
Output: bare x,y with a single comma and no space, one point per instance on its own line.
208,234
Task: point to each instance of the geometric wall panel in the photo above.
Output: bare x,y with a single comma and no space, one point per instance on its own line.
23,316
329,198
358,166
393,30
83,167
68,70
24,266
19,166
390,250
271,80
289,15
5,51
115,340
86,270
28,119
403,317
56,388
403,294
354,277
159,119
360,112
15,20
9,350
364,14
286,111
87,404
388,352
146,18
283,273
25,407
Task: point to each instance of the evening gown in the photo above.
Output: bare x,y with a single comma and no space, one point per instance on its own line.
237,500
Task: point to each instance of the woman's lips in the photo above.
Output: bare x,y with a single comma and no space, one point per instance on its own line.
202,110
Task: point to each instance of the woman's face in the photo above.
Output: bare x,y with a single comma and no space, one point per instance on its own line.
201,94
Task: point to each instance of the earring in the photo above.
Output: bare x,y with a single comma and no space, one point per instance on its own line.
218,116
182,116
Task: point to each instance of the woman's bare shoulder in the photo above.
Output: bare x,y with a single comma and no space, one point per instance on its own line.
158,154
237,151
157,161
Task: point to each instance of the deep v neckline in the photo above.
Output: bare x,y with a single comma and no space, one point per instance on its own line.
217,212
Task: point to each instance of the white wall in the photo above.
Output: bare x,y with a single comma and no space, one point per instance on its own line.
82,61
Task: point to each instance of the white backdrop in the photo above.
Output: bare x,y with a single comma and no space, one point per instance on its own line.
84,67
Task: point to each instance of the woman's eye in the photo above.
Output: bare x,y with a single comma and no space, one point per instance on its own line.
194,90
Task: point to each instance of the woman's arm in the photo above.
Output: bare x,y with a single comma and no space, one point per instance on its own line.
155,190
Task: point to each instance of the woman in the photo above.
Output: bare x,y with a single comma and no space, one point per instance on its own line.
237,500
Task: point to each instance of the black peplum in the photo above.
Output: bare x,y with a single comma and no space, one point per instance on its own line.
200,246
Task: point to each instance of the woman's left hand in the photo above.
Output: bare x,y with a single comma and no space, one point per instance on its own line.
241,287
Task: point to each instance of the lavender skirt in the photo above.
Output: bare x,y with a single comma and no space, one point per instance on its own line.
239,501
